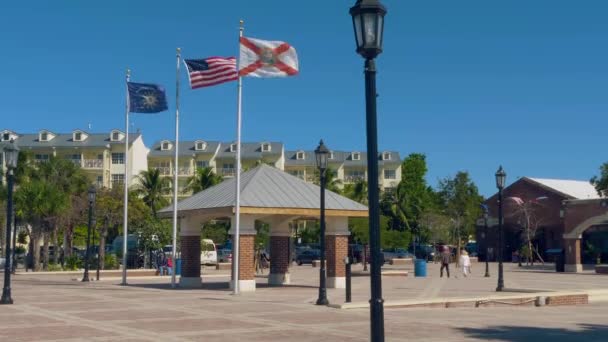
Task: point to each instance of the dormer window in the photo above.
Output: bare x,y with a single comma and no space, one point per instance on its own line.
116,135
44,136
300,155
6,137
386,156
165,145
200,146
77,136
232,147
356,156
266,147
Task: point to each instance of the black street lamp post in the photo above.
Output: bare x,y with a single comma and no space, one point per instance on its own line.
322,153
485,220
94,225
11,154
87,258
368,24
501,177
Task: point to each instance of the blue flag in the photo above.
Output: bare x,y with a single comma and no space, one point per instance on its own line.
146,98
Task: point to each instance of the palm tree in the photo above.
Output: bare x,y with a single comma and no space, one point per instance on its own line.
332,183
203,179
357,191
152,187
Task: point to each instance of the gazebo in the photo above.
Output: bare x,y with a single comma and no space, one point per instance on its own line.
274,197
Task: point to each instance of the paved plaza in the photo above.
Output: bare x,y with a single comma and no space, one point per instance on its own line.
58,308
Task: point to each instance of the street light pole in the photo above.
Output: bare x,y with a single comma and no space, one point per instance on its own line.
368,24
485,217
500,184
11,153
92,193
321,153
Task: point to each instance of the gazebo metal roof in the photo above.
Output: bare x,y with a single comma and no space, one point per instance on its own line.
268,190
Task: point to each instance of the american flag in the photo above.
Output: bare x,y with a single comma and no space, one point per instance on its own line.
211,71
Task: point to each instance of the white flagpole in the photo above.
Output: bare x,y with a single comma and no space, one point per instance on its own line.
126,185
237,210
175,169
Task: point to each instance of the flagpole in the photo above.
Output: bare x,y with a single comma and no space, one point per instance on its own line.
126,188
175,169
237,210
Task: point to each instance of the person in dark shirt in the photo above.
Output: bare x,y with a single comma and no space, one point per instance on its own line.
445,261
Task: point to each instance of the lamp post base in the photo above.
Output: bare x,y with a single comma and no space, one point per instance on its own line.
322,301
6,297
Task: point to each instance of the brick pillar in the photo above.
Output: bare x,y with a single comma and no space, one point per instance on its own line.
573,255
279,260
336,249
246,263
191,261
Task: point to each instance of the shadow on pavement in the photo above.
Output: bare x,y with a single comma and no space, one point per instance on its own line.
218,286
586,332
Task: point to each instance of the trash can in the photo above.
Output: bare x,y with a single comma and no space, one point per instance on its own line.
558,255
420,268
178,266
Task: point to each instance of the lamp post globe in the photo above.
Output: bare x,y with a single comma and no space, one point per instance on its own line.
11,156
368,24
321,154
501,177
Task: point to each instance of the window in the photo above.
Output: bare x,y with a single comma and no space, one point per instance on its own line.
44,136
356,156
100,157
297,173
355,174
115,136
300,155
118,179
228,166
390,174
118,158
6,137
200,146
164,146
266,147
232,147
201,164
386,156
77,136
41,157
99,182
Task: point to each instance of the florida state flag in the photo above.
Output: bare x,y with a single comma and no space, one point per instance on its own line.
263,58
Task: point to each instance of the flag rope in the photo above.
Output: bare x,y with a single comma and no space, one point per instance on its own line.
175,168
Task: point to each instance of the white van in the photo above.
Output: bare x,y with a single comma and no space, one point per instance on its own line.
208,252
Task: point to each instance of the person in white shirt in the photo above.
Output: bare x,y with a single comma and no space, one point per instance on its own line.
465,263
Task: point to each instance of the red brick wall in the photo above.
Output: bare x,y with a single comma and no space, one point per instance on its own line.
191,256
246,257
336,249
279,254
573,251
568,300
578,213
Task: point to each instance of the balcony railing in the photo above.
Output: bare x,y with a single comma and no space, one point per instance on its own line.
353,179
184,171
228,172
164,170
92,163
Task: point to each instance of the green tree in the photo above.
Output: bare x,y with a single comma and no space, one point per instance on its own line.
203,179
601,182
109,212
332,182
357,191
153,187
460,200
216,231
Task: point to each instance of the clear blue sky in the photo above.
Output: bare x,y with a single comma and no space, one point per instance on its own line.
472,84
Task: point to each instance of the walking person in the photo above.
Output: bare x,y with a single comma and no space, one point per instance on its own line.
465,263
160,263
169,266
446,258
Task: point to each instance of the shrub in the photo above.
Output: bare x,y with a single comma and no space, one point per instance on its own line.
72,263
54,267
110,262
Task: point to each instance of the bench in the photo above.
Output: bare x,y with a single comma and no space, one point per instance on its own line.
223,266
402,262
601,269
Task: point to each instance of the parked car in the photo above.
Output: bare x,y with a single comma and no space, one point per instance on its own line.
307,256
396,253
208,252
471,248
224,255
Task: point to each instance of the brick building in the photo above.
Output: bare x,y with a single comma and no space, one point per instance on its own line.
559,209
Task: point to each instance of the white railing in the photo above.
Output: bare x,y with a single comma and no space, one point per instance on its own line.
164,170
184,171
228,172
353,179
92,163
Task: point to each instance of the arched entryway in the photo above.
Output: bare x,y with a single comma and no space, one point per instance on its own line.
583,219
